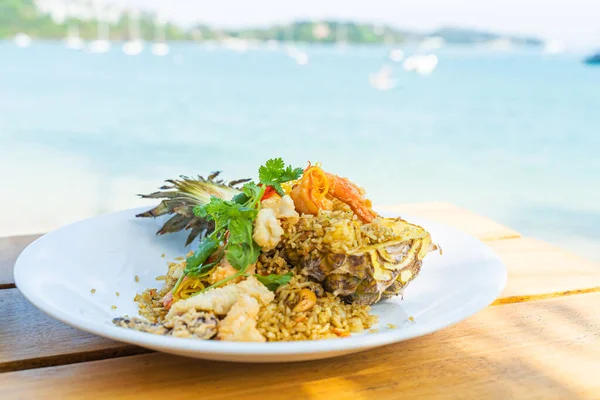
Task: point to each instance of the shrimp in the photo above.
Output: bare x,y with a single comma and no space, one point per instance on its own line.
240,323
347,192
225,270
310,194
316,187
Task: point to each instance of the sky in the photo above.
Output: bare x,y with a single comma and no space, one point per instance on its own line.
574,21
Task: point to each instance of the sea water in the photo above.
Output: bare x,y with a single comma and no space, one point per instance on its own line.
513,135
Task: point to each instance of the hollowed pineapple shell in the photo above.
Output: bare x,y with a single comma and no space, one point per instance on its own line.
369,274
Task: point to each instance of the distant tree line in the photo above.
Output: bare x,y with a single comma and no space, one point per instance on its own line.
22,16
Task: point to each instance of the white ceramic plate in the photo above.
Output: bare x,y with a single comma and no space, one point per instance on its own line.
57,272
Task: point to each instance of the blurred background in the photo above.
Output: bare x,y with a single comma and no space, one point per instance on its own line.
491,105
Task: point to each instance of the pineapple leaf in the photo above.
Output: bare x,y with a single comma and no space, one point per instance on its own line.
180,196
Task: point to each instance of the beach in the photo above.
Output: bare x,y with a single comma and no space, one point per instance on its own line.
511,135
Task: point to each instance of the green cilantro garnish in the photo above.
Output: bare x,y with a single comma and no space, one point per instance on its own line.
234,224
274,173
273,281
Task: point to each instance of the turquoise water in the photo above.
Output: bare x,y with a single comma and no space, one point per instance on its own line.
514,136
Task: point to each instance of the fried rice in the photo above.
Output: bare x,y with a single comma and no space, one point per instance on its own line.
328,318
335,231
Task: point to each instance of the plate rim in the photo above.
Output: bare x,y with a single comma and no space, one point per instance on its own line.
228,348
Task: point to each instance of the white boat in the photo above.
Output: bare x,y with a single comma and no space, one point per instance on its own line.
301,58
291,51
159,47
341,33
73,40
134,45
272,45
421,64
396,55
74,43
432,43
290,47
382,79
235,44
22,40
427,65
102,44
99,46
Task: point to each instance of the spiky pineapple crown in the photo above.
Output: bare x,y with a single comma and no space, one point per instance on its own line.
180,197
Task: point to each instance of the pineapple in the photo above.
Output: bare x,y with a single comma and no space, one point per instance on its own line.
180,198
366,275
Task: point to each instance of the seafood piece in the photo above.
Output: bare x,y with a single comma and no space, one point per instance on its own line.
307,300
313,192
141,325
193,324
225,270
267,227
283,207
347,192
168,300
240,323
310,193
220,300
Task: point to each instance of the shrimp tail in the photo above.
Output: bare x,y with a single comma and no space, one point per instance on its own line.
347,192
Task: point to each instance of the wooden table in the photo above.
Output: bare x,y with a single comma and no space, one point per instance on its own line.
540,339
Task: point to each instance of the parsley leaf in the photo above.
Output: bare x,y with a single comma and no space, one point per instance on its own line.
242,250
241,255
252,191
205,250
290,174
274,173
272,282
271,171
236,216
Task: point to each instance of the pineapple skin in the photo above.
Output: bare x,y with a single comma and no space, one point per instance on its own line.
366,278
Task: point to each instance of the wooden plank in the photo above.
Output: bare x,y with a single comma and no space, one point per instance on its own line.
10,248
546,349
29,338
538,268
534,268
476,225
